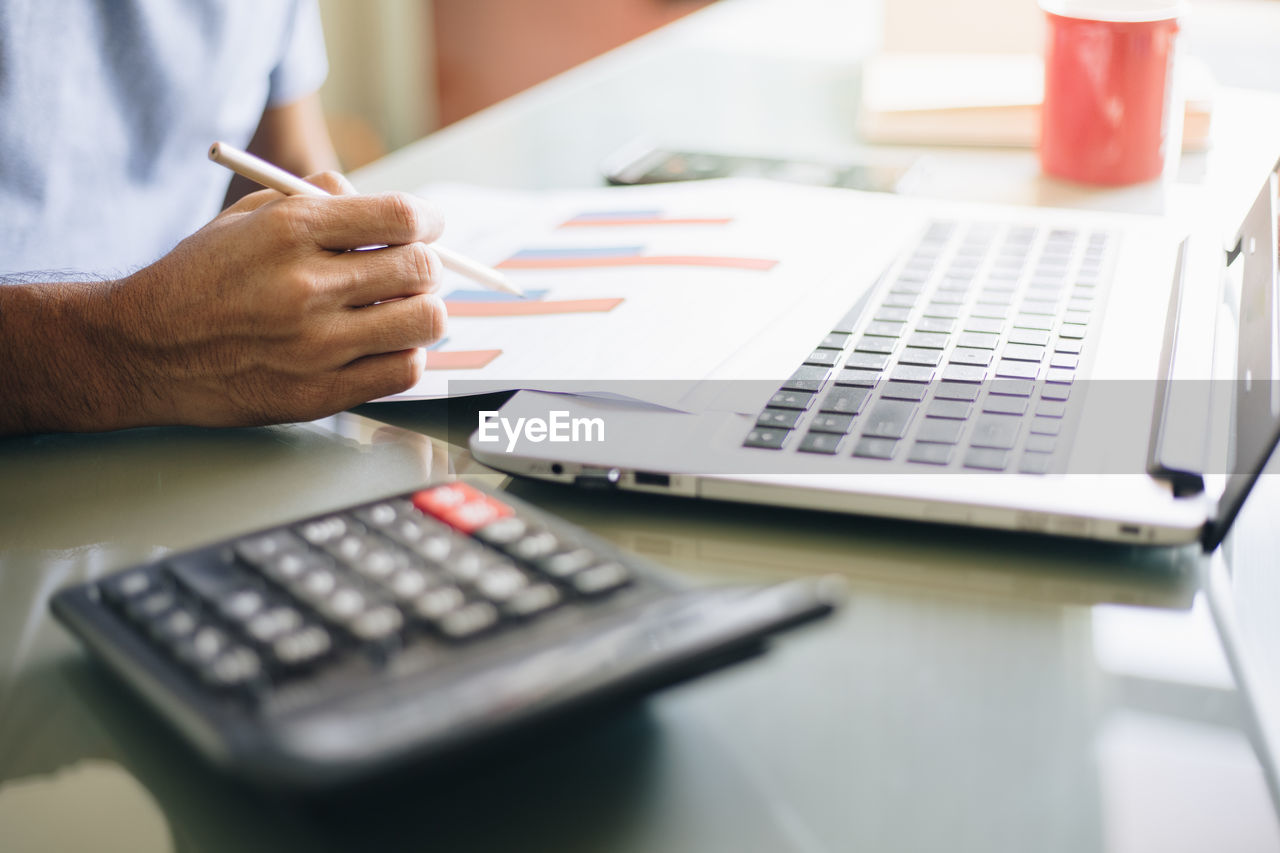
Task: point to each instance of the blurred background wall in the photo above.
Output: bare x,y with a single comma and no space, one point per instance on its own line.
402,68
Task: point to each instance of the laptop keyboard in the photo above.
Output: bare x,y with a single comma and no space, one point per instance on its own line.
967,361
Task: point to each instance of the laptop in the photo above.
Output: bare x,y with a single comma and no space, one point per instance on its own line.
1076,373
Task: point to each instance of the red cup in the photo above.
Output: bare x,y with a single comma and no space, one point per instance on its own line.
1108,83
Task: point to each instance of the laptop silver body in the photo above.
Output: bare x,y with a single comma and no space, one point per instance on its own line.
1164,418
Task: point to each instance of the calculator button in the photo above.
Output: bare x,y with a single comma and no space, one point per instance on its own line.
303,647
377,623
204,646
345,604
148,607
259,550
272,624
462,506
324,530
532,600
437,603
292,565
501,582
382,514
504,531
408,584
535,546
175,626
236,667
128,585
349,548
316,585
600,579
467,563
469,620
242,605
568,563
378,563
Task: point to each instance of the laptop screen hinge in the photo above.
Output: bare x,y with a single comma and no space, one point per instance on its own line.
1178,448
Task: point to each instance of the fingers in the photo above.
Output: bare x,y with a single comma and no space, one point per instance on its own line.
334,183
253,201
353,221
414,321
362,278
377,376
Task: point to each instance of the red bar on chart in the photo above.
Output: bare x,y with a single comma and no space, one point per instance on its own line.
471,359
529,309
567,262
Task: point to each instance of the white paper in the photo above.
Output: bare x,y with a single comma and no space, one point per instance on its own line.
673,319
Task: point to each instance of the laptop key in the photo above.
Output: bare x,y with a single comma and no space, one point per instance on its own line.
1034,463
836,424
766,439
871,343
977,340
953,409
1062,359
986,459
948,390
875,448
823,358
1005,405
1013,387
928,340
1041,443
1045,426
790,400
1017,369
1034,337
859,378
820,442
844,400
888,419
968,355
892,313
1023,352
1060,376
930,454
963,373
1031,321
948,312
995,312
806,379
778,418
940,431
1072,331
835,340
885,330
999,432
900,300
1051,408
1055,392
911,373
1076,317
924,357
867,360
935,324
1067,346
913,391
983,324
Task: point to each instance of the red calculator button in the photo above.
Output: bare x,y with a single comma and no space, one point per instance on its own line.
461,506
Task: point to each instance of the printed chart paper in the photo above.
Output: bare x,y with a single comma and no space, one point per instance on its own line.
662,283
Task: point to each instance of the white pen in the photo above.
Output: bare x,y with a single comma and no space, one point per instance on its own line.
272,176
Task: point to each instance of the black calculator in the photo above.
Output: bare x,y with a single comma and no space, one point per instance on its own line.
406,630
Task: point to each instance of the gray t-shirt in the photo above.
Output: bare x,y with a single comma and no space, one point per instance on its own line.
107,111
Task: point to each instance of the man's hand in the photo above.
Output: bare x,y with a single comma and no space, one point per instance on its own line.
262,316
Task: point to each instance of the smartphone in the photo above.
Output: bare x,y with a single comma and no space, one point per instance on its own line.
648,165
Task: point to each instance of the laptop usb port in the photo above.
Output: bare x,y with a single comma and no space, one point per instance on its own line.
648,478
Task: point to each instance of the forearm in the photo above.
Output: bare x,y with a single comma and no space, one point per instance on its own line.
67,364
